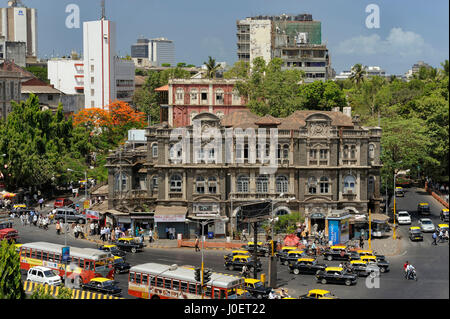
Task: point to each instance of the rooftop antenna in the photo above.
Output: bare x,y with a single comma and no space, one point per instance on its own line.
103,10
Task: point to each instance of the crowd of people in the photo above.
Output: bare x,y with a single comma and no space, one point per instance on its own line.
441,189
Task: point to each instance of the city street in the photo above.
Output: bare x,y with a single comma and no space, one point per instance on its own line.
431,262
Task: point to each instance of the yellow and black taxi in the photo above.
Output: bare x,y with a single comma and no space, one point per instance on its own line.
292,256
307,266
363,268
236,252
339,252
129,244
444,215
284,250
423,209
17,247
336,275
120,265
243,294
382,263
415,233
238,261
256,288
113,249
399,192
366,252
103,285
443,227
261,250
318,294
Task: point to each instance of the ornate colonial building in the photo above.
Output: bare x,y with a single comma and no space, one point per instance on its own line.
321,161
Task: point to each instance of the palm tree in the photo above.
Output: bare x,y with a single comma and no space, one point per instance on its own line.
358,74
444,67
212,68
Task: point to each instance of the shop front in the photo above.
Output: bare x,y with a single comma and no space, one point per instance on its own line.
317,222
142,220
170,218
207,211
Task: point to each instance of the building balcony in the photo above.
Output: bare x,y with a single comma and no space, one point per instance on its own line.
173,195
253,196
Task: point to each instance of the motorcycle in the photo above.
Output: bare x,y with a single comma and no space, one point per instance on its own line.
412,275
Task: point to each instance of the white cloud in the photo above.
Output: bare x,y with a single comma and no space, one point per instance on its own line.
398,42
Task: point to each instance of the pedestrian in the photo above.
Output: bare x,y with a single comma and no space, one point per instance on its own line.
35,218
434,239
150,236
102,234
361,242
92,228
96,230
244,234
113,235
41,202
299,233
58,228
167,232
441,236
196,244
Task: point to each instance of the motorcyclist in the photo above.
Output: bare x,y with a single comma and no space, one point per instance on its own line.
244,271
272,294
409,271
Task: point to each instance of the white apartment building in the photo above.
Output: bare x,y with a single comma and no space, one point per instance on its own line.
19,24
153,52
101,75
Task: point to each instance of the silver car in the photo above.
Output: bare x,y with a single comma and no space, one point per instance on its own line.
427,225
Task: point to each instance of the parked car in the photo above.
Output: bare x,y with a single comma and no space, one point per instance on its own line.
236,252
120,265
71,214
403,218
44,275
415,233
260,249
318,294
103,285
444,215
305,266
381,262
284,250
113,249
340,252
239,261
256,288
427,225
336,275
129,244
363,268
423,209
61,202
292,256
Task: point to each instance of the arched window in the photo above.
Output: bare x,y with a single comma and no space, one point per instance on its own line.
155,150
200,185
282,184
262,184
120,183
242,184
176,183
312,185
236,97
285,151
353,152
175,152
179,96
349,184
371,151
346,151
155,182
371,186
279,150
324,185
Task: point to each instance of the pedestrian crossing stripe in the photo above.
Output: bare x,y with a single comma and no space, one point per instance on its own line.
29,287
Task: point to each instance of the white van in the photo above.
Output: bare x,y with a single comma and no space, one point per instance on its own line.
44,275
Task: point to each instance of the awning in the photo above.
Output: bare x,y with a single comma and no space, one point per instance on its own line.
101,190
380,217
170,214
114,212
163,88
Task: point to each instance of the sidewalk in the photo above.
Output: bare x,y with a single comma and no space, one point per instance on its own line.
386,246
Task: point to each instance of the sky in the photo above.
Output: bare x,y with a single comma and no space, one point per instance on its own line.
408,30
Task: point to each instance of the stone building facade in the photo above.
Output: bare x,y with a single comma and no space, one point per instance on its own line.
323,161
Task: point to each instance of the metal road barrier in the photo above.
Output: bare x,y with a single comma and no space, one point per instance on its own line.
30,287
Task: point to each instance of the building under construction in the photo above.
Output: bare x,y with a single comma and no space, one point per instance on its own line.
297,40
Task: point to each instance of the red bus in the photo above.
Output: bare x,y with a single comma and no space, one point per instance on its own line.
83,265
6,228
158,281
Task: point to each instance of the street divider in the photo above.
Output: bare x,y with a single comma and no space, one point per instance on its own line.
30,287
210,244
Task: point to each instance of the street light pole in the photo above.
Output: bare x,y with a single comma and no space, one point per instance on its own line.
395,175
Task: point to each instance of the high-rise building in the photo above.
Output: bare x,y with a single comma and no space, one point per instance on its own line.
101,74
19,24
297,40
153,52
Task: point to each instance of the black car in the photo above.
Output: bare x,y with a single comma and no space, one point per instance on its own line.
114,250
239,261
340,253
307,266
423,209
415,234
381,262
336,275
260,249
103,285
256,288
292,256
444,215
120,266
129,244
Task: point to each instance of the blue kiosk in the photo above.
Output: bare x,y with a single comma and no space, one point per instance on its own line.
338,227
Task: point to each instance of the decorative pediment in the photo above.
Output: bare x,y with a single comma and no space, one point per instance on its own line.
318,125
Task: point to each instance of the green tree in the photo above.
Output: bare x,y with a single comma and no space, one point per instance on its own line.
40,72
11,286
